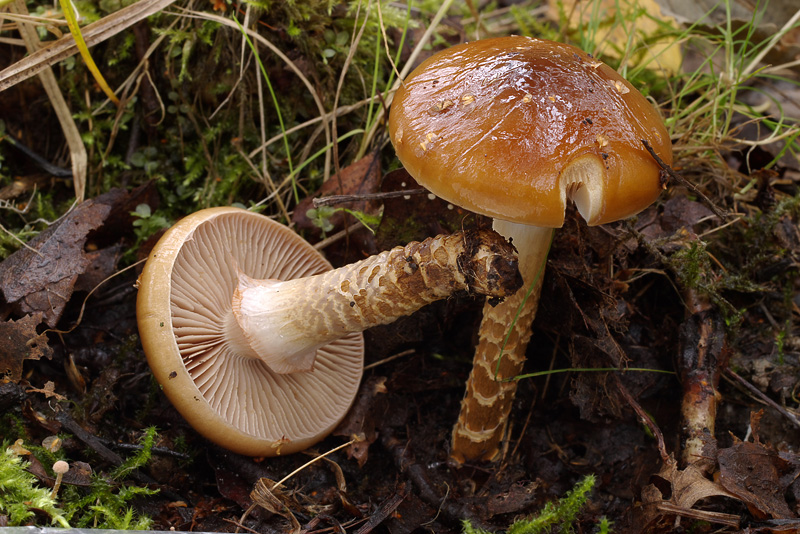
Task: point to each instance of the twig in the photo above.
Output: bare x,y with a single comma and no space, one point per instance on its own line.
645,417
385,509
107,454
162,451
674,176
337,236
344,199
390,358
427,489
700,515
702,355
758,393
48,167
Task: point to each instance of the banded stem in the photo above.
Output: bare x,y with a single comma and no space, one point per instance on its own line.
487,402
284,322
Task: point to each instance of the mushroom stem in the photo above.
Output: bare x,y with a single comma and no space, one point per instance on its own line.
59,468
283,323
503,338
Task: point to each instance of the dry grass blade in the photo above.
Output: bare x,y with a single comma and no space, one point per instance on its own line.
345,68
263,495
65,47
423,41
77,150
272,497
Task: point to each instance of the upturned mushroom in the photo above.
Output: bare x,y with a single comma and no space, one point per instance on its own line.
257,342
513,128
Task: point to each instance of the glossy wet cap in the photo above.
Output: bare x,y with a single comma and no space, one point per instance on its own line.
512,127
208,372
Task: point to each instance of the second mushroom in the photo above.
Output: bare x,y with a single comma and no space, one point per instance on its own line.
513,128
257,342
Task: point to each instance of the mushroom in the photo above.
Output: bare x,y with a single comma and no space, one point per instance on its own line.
258,344
60,468
513,128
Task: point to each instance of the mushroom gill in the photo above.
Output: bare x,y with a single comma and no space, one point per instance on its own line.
260,402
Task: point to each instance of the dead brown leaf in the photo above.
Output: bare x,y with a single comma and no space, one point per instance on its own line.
677,221
41,277
21,342
759,475
49,390
518,497
674,493
102,264
753,472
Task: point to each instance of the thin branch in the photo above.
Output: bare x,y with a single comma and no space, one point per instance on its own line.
344,199
761,396
675,177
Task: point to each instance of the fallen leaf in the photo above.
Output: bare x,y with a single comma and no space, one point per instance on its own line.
49,390
18,342
18,449
41,277
102,264
518,497
758,475
52,443
655,51
79,474
677,221
674,492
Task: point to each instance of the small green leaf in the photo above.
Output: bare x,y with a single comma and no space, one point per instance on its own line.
143,211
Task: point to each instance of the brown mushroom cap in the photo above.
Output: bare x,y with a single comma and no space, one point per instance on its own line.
509,127
212,377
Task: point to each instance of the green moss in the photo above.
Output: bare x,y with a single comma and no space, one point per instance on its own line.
108,501
20,494
559,516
